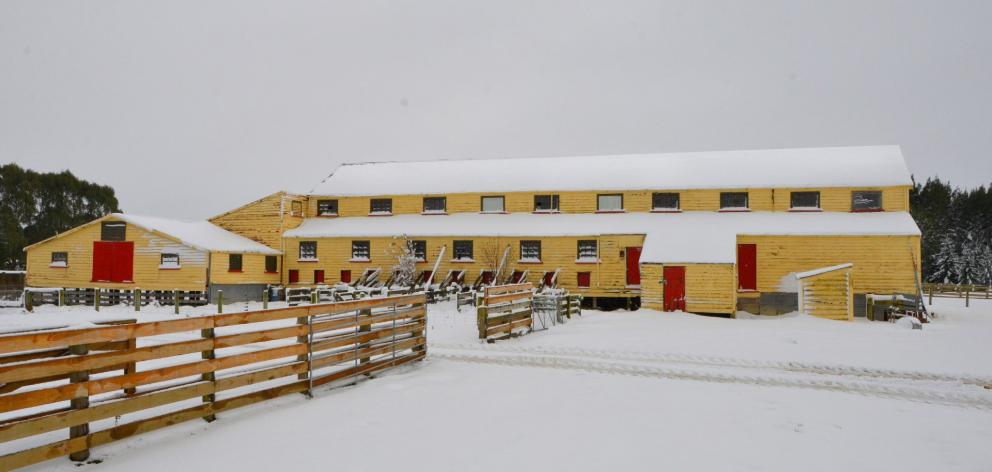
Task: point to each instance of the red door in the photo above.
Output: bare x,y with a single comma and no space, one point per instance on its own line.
633,266
487,277
318,276
674,288
549,278
294,276
113,261
747,267
346,276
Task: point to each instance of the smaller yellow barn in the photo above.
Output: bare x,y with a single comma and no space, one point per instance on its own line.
122,251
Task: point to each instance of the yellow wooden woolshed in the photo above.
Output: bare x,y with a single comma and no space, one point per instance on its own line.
123,251
712,232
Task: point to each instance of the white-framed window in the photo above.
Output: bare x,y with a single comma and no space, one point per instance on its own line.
588,251
327,207
866,200
733,201
546,203
381,206
435,205
308,250
530,251
463,250
169,260
804,200
361,250
665,202
494,204
610,202
419,248
59,259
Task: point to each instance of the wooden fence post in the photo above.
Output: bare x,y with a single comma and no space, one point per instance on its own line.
175,301
28,301
481,314
61,297
930,295
220,301
137,299
79,403
305,340
313,296
265,298
96,299
967,298
208,376
364,328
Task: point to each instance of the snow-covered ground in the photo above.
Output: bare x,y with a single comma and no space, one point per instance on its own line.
641,390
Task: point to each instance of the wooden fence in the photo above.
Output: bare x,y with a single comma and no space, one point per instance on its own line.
504,310
967,292
241,359
103,297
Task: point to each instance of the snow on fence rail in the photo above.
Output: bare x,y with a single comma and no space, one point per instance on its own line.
97,297
245,358
967,292
505,310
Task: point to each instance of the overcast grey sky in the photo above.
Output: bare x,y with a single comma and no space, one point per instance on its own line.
192,107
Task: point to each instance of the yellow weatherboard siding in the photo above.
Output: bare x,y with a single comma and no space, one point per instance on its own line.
608,277
252,270
882,264
829,295
148,247
759,199
709,288
264,220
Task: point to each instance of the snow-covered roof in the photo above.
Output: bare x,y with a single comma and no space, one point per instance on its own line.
822,270
198,234
692,236
863,166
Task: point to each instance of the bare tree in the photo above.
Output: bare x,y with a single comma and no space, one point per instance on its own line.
491,253
403,250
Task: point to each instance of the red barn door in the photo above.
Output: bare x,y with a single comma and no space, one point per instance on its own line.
633,266
747,267
113,261
674,288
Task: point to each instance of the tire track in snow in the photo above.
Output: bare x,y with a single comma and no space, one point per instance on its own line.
976,400
788,366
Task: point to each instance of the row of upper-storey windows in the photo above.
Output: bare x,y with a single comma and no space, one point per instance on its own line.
860,200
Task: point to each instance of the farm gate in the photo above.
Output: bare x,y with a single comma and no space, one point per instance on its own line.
505,310
244,358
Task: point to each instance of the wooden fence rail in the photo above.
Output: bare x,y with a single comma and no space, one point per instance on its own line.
243,358
505,310
967,292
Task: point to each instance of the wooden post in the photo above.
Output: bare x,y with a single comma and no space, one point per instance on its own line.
208,376
364,329
80,430
305,340
265,298
313,296
28,301
967,298
61,297
482,314
96,299
930,296
131,367
220,301
137,299
175,301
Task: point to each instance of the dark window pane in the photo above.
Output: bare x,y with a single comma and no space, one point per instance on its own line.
419,250
588,249
530,250
381,205
113,231
865,200
308,249
665,201
170,260
463,250
435,204
271,264
234,262
327,207
805,200
545,202
733,200
361,250
60,259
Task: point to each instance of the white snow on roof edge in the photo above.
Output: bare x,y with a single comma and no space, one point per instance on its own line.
854,166
199,234
822,270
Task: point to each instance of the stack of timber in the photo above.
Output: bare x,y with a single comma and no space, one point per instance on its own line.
505,311
292,350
